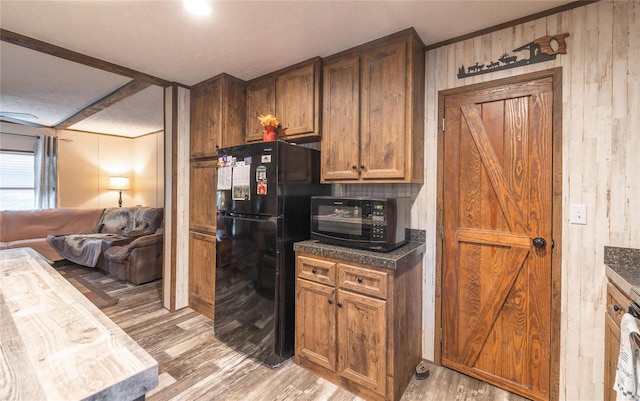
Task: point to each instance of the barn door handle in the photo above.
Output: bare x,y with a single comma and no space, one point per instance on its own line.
539,242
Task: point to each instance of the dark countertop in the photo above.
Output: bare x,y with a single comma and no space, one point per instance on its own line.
390,260
623,268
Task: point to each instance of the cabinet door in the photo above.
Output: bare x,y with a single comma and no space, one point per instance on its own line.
362,341
202,196
617,304
341,120
261,100
611,350
202,273
384,130
316,323
297,101
233,111
205,119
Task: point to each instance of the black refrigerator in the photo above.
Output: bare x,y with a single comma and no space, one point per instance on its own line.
263,201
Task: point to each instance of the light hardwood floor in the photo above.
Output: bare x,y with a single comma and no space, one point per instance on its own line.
194,365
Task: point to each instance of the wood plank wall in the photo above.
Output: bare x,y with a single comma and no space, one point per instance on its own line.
175,276
601,167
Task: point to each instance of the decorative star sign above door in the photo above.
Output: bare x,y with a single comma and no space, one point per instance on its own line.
540,50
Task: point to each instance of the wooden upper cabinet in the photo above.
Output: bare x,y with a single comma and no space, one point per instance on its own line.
291,94
298,100
261,100
373,105
217,115
341,119
383,118
205,127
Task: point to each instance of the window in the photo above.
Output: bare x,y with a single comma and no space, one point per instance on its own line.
17,181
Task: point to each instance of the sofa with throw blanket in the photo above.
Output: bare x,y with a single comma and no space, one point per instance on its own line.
139,261
30,228
117,227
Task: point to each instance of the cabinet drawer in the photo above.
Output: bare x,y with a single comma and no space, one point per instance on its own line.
364,281
617,303
317,270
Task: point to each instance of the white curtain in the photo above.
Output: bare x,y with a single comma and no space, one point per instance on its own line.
46,177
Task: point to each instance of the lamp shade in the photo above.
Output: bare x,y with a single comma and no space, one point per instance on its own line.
119,183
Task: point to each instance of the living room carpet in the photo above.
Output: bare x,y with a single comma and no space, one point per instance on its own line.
77,276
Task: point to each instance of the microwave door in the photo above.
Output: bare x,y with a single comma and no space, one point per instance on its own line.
343,226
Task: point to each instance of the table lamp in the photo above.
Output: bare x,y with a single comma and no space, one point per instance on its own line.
119,184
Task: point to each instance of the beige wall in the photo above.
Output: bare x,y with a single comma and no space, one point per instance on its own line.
86,161
148,170
601,147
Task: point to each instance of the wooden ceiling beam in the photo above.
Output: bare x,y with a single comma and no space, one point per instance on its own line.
131,88
57,51
21,122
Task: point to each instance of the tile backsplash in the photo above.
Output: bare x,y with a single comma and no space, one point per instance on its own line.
376,190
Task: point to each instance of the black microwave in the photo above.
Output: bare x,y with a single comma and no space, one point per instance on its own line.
368,223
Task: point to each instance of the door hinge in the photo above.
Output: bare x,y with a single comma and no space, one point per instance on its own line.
440,334
441,232
442,124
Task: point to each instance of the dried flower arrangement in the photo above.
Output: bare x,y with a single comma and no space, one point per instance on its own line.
268,120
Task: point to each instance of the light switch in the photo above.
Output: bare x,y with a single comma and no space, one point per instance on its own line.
578,214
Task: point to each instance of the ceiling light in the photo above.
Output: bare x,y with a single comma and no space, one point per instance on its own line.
197,7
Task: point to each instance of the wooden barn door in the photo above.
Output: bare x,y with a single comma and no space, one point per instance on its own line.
497,220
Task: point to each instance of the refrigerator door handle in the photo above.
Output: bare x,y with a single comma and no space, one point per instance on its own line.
239,216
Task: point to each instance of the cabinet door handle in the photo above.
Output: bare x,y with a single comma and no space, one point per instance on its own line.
339,304
362,166
314,271
359,280
354,167
330,301
616,308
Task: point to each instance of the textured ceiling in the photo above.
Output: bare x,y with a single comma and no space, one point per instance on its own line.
243,38
49,87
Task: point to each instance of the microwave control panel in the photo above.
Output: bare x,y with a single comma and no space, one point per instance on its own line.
378,222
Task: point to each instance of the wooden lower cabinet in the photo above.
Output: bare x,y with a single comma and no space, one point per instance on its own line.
617,305
316,324
362,349
202,273
359,326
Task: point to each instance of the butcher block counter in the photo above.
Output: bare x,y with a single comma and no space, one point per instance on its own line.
57,345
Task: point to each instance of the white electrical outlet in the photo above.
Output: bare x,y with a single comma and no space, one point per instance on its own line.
578,214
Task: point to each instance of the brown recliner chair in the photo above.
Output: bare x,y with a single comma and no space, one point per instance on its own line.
140,261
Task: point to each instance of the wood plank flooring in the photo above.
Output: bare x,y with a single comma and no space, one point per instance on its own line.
194,365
